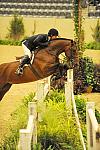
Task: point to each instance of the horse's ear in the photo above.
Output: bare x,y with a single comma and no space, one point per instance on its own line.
72,42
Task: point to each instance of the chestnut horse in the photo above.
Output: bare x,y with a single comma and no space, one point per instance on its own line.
44,64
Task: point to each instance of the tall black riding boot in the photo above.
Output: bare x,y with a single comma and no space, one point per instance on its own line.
24,60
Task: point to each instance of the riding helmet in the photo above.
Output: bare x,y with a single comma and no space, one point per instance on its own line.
53,32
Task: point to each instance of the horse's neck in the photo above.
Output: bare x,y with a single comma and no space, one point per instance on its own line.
55,50
52,51
58,45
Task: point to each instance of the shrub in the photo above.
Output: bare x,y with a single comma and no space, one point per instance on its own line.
10,42
96,36
93,45
81,109
58,128
84,75
16,29
96,86
55,96
96,32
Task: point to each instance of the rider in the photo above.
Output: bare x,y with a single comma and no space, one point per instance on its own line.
29,45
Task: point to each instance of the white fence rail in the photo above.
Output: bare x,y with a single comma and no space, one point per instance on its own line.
26,135
93,128
29,135
42,88
70,102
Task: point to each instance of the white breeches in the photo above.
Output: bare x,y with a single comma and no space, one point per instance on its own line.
26,51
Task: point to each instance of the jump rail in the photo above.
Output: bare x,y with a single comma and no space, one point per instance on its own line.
70,101
28,135
93,128
42,88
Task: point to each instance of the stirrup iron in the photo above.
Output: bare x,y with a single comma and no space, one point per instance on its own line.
19,71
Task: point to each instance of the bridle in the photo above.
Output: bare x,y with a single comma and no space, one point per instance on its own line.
71,56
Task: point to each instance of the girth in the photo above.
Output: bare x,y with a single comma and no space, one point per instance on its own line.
35,71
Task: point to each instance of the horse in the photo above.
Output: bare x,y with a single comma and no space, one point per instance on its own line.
46,60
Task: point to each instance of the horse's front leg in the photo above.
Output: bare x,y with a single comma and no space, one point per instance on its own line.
60,71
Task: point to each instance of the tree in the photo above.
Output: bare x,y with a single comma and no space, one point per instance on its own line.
16,29
79,32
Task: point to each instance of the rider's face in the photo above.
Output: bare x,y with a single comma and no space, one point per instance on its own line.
53,37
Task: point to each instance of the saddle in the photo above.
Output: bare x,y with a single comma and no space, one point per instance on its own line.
18,58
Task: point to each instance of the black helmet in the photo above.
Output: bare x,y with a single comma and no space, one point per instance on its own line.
53,32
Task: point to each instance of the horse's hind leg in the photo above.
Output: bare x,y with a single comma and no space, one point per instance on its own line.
3,89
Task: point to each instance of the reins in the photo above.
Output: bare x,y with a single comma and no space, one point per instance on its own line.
54,53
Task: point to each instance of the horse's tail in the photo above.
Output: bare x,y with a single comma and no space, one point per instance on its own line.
3,89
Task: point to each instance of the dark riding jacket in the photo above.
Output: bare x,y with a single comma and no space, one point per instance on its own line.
40,40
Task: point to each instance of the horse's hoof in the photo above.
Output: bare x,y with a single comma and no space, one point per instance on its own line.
53,78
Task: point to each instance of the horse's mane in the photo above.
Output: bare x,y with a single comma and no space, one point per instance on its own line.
58,39
62,39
